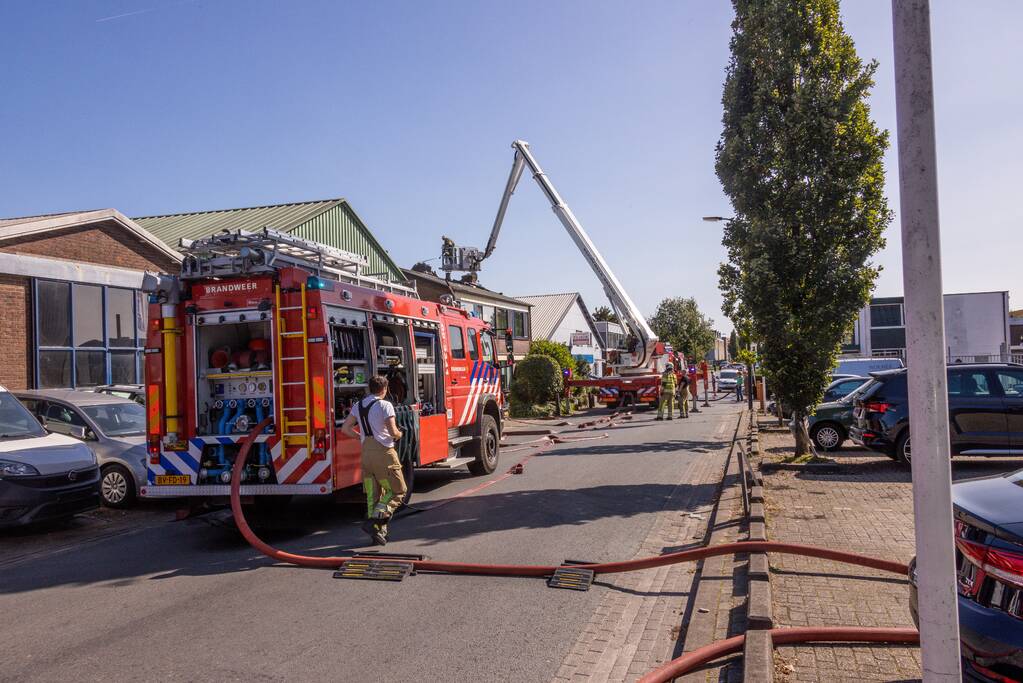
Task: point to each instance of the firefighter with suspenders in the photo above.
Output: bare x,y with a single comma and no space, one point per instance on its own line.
381,469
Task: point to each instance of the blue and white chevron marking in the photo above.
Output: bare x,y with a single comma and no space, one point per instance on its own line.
485,379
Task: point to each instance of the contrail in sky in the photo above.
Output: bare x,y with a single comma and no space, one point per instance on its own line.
144,11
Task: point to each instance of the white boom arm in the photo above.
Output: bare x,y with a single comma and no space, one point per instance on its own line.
627,311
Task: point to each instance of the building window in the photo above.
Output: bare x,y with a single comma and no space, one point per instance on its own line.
501,320
886,315
518,324
87,334
887,339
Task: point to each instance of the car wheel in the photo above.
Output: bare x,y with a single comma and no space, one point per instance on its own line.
904,449
827,436
117,486
487,449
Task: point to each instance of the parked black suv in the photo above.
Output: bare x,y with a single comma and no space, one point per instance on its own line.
985,406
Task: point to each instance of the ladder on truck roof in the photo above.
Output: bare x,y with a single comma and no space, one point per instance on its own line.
232,253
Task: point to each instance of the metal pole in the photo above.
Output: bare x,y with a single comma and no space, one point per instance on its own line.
925,341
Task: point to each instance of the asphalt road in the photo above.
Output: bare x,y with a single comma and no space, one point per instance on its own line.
192,601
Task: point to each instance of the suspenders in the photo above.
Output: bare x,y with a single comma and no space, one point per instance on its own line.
364,409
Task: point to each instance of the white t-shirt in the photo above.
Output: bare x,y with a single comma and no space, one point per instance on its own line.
378,416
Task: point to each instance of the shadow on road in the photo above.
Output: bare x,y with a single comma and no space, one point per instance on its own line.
679,445
211,545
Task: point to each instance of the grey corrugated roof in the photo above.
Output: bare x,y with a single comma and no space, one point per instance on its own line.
548,311
172,227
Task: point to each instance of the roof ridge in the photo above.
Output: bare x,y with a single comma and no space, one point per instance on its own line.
537,296
337,200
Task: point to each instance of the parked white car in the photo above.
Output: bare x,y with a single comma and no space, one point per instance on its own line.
727,380
43,476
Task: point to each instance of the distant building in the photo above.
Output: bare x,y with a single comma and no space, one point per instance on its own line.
719,352
503,312
70,290
1016,335
564,318
976,328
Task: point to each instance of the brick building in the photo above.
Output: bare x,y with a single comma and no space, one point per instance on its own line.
73,312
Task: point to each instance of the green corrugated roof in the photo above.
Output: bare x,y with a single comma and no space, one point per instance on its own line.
330,221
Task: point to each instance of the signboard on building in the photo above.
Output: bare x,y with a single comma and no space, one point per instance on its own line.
581,339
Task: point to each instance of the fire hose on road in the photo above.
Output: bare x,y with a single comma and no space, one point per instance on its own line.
668,671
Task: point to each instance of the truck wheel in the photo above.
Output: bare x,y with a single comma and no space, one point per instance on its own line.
827,436
613,405
487,448
117,487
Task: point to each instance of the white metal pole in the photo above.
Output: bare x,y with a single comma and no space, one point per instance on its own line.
925,341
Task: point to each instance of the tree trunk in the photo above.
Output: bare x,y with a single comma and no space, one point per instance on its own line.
800,433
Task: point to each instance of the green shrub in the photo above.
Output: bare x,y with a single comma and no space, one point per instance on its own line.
527,410
537,379
559,352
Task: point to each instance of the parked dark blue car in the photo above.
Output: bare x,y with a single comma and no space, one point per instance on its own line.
989,564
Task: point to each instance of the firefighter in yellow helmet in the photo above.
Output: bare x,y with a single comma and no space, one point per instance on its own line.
667,393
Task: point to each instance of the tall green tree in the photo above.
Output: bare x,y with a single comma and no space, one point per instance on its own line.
733,345
680,322
605,314
801,161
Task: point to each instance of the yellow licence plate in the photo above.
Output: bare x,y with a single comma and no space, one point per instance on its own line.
173,480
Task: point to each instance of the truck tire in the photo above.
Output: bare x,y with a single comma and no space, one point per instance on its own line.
486,449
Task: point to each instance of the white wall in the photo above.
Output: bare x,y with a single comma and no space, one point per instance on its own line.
976,324
575,321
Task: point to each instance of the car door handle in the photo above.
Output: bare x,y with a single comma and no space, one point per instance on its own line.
454,380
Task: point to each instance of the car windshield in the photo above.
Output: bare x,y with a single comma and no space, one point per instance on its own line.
858,391
728,374
15,420
118,419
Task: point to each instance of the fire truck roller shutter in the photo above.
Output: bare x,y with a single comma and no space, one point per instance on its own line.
407,446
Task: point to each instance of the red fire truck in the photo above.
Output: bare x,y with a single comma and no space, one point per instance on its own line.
264,324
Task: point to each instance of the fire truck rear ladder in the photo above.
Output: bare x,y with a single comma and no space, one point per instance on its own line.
287,374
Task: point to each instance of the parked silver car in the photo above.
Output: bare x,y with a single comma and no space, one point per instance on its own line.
133,391
42,476
727,379
113,427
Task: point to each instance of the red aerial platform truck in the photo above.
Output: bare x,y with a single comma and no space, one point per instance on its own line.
636,374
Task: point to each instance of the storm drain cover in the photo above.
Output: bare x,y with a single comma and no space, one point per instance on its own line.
374,570
572,578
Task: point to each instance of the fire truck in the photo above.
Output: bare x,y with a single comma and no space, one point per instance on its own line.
636,371
265,324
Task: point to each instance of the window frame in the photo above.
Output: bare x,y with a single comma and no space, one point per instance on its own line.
138,333
452,330
472,337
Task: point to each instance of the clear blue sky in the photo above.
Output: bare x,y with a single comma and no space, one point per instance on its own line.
408,109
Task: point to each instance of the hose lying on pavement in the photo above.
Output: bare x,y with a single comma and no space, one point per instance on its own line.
538,570
780,636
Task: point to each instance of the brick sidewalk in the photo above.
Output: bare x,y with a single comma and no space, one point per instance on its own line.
866,507
636,627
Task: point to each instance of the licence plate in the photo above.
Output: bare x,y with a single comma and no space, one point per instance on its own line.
173,480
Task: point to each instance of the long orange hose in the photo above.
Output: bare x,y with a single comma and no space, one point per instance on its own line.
538,570
780,636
